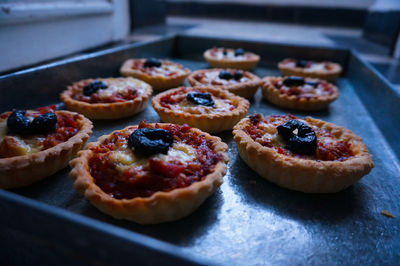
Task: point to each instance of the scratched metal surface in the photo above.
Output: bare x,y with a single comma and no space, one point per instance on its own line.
250,221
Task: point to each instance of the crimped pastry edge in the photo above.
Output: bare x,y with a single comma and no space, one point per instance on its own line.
247,64
330,75
211,123
244,89
105,111
24,170
159,207
271,94
304,175
158,83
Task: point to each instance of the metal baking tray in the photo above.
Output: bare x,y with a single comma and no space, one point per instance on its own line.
248,221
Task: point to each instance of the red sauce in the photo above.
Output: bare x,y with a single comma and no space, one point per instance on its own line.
337,150
143,181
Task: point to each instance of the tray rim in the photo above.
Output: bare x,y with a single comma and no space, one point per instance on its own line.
158,246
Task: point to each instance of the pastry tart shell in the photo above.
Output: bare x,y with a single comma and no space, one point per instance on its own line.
105,111
330,75
159,207
273,95
158,83
212,123
245,64
24,170
305,175
244,89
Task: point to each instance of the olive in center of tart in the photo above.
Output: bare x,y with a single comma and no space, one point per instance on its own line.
228,75
94,87
301,63
152,62
299,137
200,98
293,81
18,123
149,141
239,52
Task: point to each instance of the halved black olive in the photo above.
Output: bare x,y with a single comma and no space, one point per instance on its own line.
200,98
152,62
302,142
18,123
237,75
44,123
225,75
301,63
239,52
94,87
293,81
224,51
149,141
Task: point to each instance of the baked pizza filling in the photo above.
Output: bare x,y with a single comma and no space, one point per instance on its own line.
29,137
123,172
230,54
303,87
224,77
308,66
330,146
110,90
158,68
180,101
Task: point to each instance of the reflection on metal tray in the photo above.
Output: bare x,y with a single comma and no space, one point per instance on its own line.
248,221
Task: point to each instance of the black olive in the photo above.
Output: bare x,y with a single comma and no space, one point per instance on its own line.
224,51
94,87
237,75
301,63
44,123
293,81
149,141
239,52
225,75
18,123
304,142
200,98
152,62
312,83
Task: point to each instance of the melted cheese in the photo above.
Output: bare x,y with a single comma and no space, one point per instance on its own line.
125,158
120,85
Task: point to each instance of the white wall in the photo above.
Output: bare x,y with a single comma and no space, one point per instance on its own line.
34,31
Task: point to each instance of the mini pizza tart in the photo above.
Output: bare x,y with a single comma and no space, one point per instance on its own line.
108,98
209,109
308,155
160,74
298,93
231,58
150,173
242,83
321,70
35,144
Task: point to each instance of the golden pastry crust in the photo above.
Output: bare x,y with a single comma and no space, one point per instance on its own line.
245,87
302,173
159,207
159,82
316,100
211,122
215,59
24,170
331,71
106,111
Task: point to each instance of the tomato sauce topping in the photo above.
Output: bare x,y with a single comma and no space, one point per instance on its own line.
157,175
335,150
